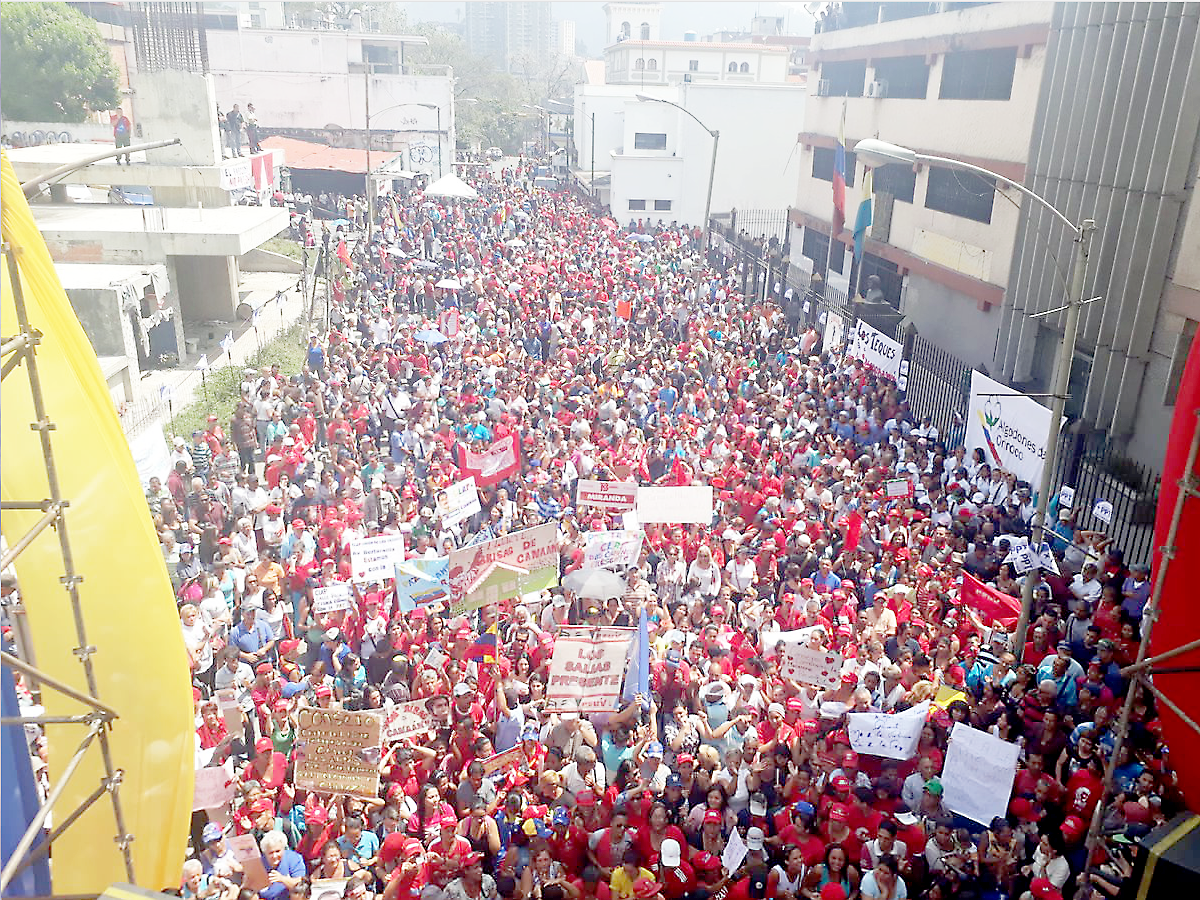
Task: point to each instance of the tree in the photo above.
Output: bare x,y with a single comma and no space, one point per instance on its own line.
54,64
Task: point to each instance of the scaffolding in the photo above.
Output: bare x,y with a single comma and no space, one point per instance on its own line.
17,352
169,36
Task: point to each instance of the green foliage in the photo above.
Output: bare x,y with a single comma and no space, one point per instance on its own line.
284,246
54,64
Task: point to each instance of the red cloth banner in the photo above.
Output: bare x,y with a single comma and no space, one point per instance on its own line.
994,607
499,461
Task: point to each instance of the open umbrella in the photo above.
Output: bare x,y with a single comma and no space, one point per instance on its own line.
425,264
641,238
396,251
430,336
515,242
452,283
595,584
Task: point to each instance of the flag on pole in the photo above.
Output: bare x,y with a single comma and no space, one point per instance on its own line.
164,392
202,363
863,220
484,648
343,253
227,344
637,676
839,178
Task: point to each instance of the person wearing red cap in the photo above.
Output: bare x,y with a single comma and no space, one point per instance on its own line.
268,767
404,866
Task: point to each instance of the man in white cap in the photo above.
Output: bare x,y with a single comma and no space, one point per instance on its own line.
676,877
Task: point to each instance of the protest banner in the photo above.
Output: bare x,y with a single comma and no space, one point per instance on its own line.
328,888
835,332
808,666
615,496
898,488
735,851
458,502
611,549
890,736
994,607
337,751
875,349
245,850
214,787
332,598
519,563
587,667
405,719
499,461
512,758
1010,427
420,582
978,775
684,504
770,640
375,558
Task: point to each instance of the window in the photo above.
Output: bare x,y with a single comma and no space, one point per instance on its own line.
639,64
846,79
637,204
898,180
643,140
645,31
662,205
979,74
745,68
652,65
907,77
732,67
815,246
960,194
823,165
625,32
693,65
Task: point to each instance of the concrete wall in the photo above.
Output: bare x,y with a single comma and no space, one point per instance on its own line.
77,132
944,318
99,312
177,104
672,63
206,285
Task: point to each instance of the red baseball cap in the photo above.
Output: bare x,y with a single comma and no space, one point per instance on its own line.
712,817
839,813
298,523
264,745
840,783
1044,889
850,758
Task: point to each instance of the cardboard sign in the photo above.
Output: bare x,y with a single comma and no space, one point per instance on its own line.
338,751
1022,559
897,488
735,851
891,736
245,850
835,331
978,774
375,558
405,719
684,504
214,787
1066,496
513,758
611,549
458,502
1103,510
587,667
808,666
420,582
616,496
332,598
227,705
504,568
328,888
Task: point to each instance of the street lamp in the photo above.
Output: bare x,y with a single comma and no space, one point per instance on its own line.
712,168
874,152
542,109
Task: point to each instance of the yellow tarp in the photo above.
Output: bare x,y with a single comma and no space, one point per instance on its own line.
127,602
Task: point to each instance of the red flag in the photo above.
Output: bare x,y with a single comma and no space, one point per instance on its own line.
994,607
499,461
624,309
344,254
854,524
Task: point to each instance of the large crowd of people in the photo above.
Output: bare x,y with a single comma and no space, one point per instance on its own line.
614,352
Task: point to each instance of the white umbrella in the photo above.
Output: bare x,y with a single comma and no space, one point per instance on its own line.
595,584
453,187
449,283
515,242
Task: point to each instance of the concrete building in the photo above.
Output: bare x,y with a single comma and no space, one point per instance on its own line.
510,34
961,84
1115,139
331,85
564,38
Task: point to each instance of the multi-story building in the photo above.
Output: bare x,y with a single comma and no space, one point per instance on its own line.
1116,138
511,34
962,83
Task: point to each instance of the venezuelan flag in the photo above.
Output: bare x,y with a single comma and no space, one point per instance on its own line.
839,178
484,648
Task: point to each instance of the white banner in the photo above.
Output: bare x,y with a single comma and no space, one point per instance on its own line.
376,558
890,736
587,667
1010,427
678,504
616,496
878,351
236,173
808,666
332,598
616,549
405,719
458,502
214,787
978,774
835,332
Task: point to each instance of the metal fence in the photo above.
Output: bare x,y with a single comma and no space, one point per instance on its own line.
939,386
138,415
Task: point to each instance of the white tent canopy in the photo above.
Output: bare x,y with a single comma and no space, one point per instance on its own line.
453,187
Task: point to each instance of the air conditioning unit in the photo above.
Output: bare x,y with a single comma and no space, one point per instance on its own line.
824,88
877,89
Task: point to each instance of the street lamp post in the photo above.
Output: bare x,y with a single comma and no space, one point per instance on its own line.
712,167
878,153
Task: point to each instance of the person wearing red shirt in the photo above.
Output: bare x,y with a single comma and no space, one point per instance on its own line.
407,874
568,840
268,768
447,852
1084,789
838,831
677,879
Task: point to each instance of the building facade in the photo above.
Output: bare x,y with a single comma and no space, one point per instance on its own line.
1117,140
960,84
510,34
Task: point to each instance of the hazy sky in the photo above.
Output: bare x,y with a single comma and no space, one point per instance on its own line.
678,16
